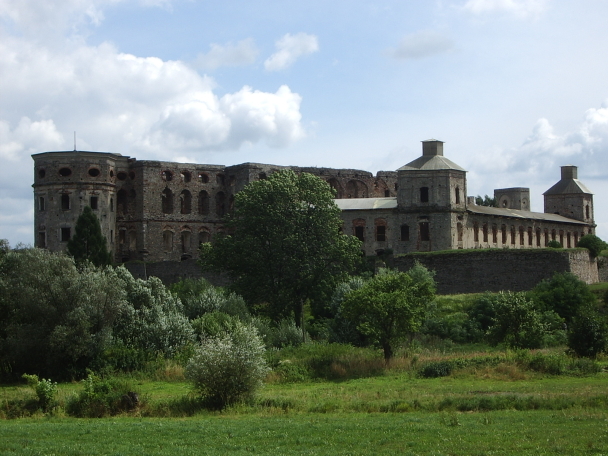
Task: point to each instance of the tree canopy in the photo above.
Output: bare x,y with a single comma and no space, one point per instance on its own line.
390,306
284,245
88,243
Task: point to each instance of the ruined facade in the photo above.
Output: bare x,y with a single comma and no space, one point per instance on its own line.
156,211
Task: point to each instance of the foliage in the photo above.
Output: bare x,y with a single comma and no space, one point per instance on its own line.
517,322
436,369
228,368
88,243
46,390
593,243
390,306
565,294
554,244
284,247
343,330
212,324
103,397
588,335
486,201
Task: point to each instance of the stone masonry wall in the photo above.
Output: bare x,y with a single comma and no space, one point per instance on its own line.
500,269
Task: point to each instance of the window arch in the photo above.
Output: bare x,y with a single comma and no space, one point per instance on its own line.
359,229
203,203
204,236
457,191
168,241
167,201
121,202
356,189
380,230
185,202
220,204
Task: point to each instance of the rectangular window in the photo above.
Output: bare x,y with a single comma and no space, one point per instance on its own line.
424,194
65,234
359,232
41,203
476,232
380,233
425,234
485,232
42,239
65,202
93,203
405,233
122,237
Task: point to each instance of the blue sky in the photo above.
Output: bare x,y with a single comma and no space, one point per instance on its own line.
516,88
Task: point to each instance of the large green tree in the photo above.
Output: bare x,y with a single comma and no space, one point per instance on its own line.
284,246
391,306
88,243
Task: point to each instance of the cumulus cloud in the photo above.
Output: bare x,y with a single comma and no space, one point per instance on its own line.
421,44
244,52
289,49
519,8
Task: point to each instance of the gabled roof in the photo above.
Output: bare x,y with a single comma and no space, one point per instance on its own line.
431,162
520,214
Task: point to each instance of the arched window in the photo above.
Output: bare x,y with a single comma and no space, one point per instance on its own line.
133,240
185,238
167,201
476,232
359,229
356,189
494,234
538,237
521,235
168,241
503,229
380,230
220,204
513,234
185,202
459,231
485,232
121,202
546,237
204,236
203,178
530,235
203,203
333,183
457,195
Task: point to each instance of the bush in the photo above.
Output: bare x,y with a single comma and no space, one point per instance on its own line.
436,369
588,335
46,390
228,368
593,243
553,244
103,397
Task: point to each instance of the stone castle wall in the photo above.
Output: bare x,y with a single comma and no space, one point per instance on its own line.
500,269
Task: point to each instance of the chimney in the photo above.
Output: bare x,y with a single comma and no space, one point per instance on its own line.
569,172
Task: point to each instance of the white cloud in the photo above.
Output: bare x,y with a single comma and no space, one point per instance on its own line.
289,49
244,52
519,8
421,44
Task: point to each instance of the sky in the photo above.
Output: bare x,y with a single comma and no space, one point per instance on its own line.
515,88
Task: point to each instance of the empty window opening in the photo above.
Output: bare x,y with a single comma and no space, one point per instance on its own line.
425,234
132,175
220,204
513,234
66,234
568,240
530,235
546,237
121,202
111,173
185,241
575,239
485,232
476,232
356,189
553,235
185,201
203,178
111,236
396,187
521,235
203,203
65,172
387,193
121,176
132,240
220,179
262,176
94,172
459,231
122,237
360,233
168,240
93,202
65,202
494,234
132,200
41,203
405,232
503,230
232,181
538,240
42,239
167,175
380,233
204,237
561,237
186,176
231,203
41,173
424,194
587,212
111,204
457,195
167,201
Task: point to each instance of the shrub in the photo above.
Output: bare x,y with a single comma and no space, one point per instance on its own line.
213,323
588,335
282,334
593,243
565,294
228,368
103,397
553,244
436,369
44,389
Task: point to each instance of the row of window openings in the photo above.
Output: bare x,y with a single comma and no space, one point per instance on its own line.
66,203
185,202
93,172
380,234
203,178
522,235
185,238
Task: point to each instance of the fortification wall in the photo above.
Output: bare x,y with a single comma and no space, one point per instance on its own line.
500,269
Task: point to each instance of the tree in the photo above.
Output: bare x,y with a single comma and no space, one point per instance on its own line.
593,243
390,306
565,294
588,335
88,243
284,246
485,201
